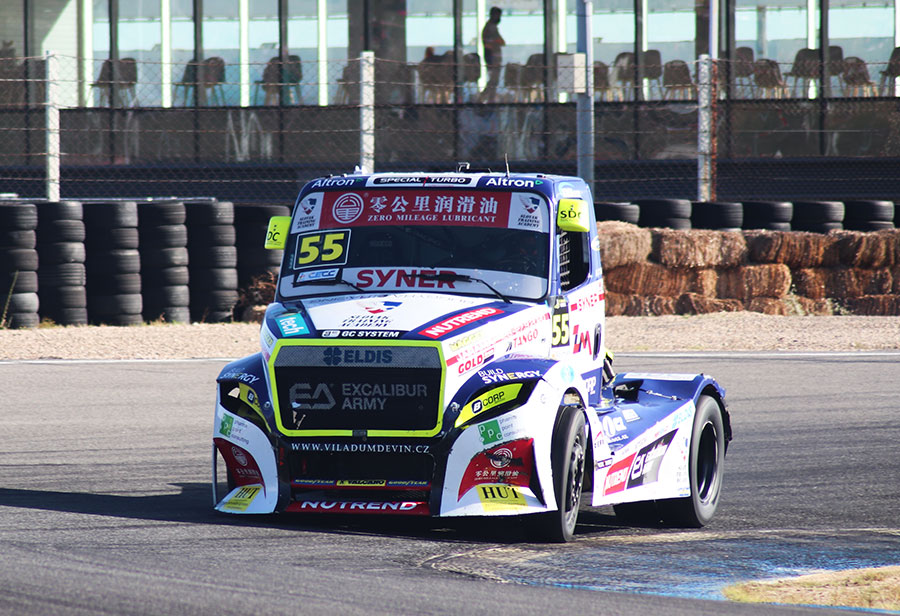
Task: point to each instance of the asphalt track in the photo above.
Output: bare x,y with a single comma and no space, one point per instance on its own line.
105,506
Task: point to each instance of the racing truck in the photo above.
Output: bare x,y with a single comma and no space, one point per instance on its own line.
437,347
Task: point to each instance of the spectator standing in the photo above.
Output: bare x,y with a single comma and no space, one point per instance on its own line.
493,54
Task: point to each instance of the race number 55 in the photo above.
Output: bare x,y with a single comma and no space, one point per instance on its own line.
560,322
322,248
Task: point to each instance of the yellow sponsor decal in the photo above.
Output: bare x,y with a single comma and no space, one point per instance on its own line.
500,497
242,498
487,401
363,483
249,396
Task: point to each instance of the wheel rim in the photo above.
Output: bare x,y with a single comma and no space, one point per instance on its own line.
574,482
707,462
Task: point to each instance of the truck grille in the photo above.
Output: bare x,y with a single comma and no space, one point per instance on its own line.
325,387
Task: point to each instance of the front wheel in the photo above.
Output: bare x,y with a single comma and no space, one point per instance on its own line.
706,465
567,457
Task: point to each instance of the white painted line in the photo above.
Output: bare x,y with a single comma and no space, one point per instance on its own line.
12,362
759,354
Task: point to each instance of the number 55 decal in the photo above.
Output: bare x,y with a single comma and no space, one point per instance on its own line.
560,322
321,248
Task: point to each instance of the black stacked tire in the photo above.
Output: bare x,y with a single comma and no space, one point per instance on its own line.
18,266
112,264
719,215
772,215
60,244
671,213
213,260
609,210
818,216
164,261
251,224
868,215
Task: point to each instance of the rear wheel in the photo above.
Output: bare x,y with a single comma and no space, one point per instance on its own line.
567,457
706,465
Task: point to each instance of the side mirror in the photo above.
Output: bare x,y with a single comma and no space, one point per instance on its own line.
276,235
573,215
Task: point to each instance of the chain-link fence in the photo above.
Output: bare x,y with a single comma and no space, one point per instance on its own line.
258,131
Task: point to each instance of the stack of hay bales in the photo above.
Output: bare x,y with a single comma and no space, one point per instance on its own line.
664,271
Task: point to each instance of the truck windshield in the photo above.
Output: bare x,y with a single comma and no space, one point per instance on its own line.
393,240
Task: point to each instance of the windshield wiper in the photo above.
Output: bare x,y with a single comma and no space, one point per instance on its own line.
325,281
454,277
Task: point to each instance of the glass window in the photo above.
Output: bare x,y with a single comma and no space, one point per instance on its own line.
140,54
219,73
614,35
670,36
863,38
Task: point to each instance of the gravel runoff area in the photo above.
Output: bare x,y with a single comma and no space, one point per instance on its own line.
738,331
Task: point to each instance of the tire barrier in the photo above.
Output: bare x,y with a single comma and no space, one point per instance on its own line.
60,241
771,215
608,210
213,260
163,240
717,215
251,224
669,213
868,215
818,216
112,264
18,266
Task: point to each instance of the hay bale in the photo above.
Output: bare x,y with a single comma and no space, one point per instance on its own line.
895,277
874,305
647,279
768,305
849,282
794,249
622,243
811,282
698,248
751,281
703,282
869,250
693,303
615,304
644,306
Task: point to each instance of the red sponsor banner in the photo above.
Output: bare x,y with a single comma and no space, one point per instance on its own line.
617,476
470,208
243,467
360,507
453,323
510,463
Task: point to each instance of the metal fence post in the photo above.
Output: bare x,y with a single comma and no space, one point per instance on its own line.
51,127
367,112
584,114
706,135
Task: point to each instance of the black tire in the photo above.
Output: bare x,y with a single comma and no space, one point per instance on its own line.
210,212
705,465
121,320
769,226
110,262
768,211
214,257
115,238
567,457
217,316
218,300
668,223
62,275
626,212
721,215
176,295
164,236
52,231
158,213
25,282
869,225
18,239
62,252
166,276
125,303
19,259
18,216
868,210
806,212
171,314
211,235
70,316
59,210
20,302
224,278
116,284
22,320
817,227
653,209
109,215
164,257
55,298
